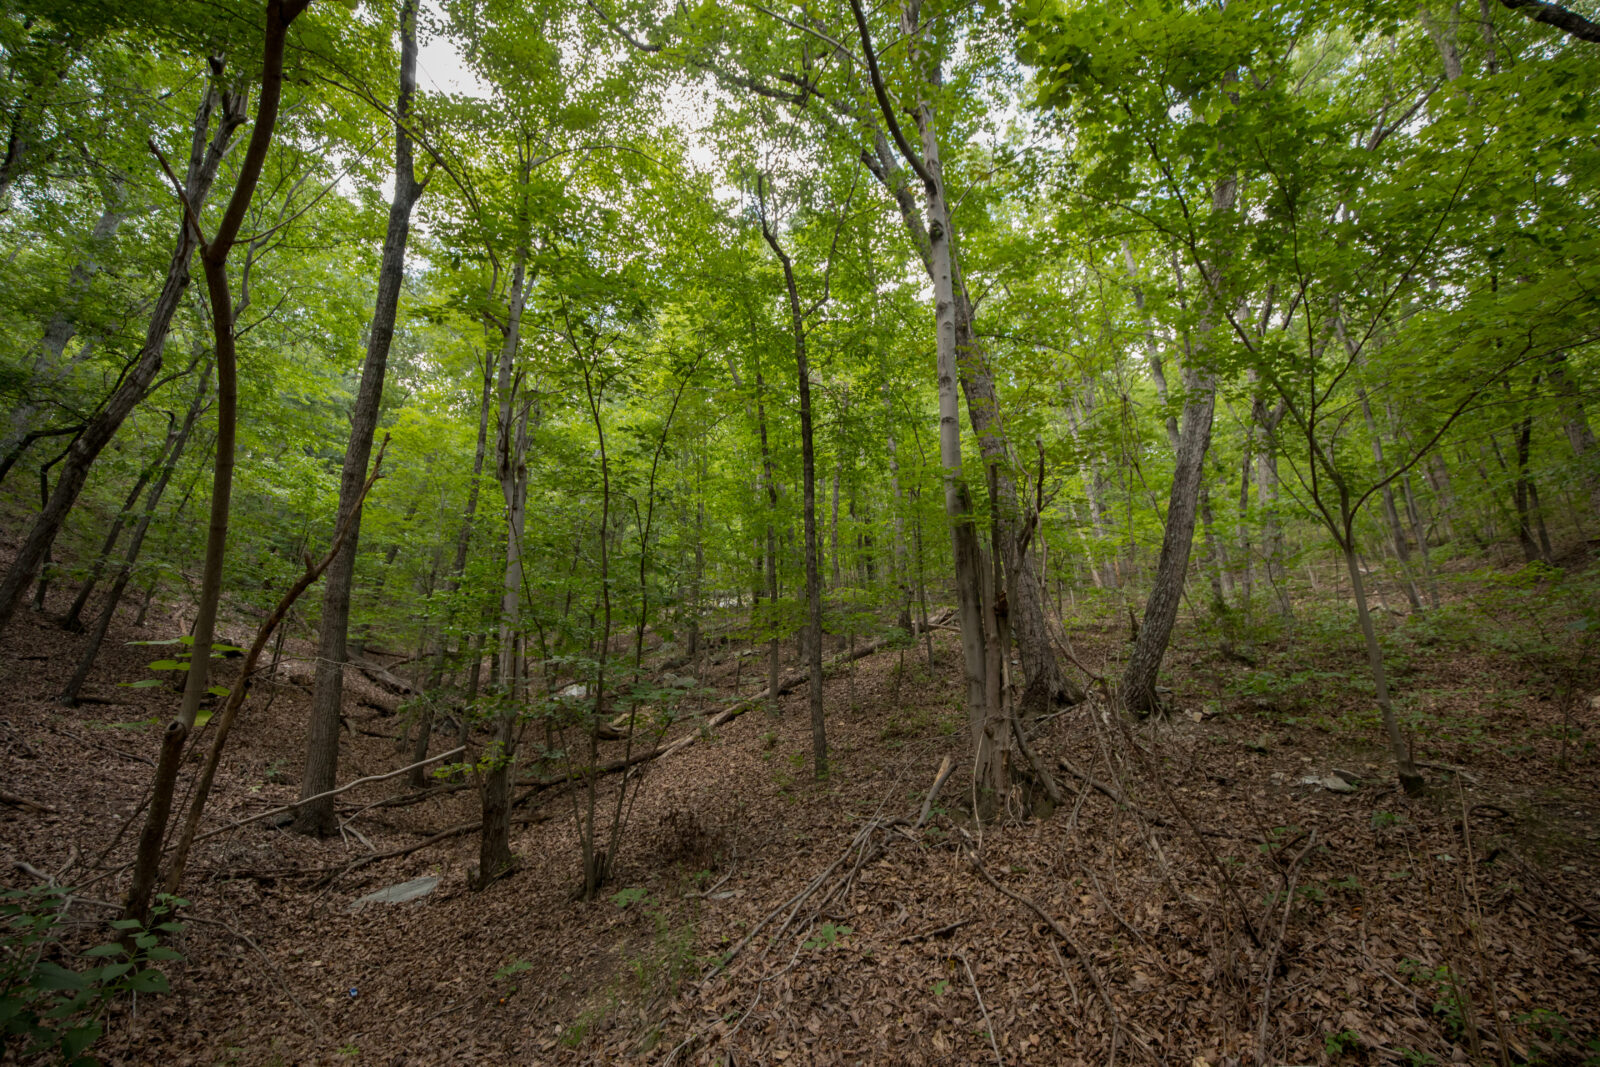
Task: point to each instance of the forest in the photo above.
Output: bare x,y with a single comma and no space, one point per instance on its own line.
799,531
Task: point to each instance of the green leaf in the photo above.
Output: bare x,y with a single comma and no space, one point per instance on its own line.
218,690
150,980
47,975
143,683
167,665
109,949
79,1038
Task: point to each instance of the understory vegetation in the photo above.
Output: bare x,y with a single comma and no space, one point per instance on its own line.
1059,531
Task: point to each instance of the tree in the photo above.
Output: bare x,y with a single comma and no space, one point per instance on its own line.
280,14
322,741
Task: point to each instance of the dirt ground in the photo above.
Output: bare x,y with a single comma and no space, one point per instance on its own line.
1193,899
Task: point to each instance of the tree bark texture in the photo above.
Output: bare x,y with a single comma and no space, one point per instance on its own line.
322,734
808,465
214,257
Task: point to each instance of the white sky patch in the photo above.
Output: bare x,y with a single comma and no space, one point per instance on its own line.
440,65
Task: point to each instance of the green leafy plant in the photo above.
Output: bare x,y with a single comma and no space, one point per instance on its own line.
1338,1044
629,896
504,975
828,935
1450,1004
180,662
55,1009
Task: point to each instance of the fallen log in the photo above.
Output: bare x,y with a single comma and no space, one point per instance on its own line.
381,677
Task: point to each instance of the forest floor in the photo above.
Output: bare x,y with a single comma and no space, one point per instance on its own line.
1225,911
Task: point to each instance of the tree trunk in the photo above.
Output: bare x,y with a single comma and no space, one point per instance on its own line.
204,160
494,841
1397,533
108,610
73,620
1410,779
1161,610
898,543
1521,495
419,748
1271,524
975,379
808,465
327,698
214,257
1579,435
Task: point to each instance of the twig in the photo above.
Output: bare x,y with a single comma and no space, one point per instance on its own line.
445,1011
1055,927
107,748
987,1025
270,812
25,804
1272,957
943,931
945,768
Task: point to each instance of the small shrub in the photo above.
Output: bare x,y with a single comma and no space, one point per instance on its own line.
53,1009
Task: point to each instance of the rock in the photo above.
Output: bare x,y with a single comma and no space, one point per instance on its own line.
575,691
1331,782
679,681
415,889
1350,777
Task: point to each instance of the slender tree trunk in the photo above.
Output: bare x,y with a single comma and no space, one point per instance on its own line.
419,748
1080,412
1272,527
108,610
214,257
72,620
1161,610
1520,495
1410,779
833,534
327,698
768,476
1579,435
1397,532
991,778
1216,563
204,160
976,381
1438,476
898,546
697,579
808,464
494,840
1138,688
